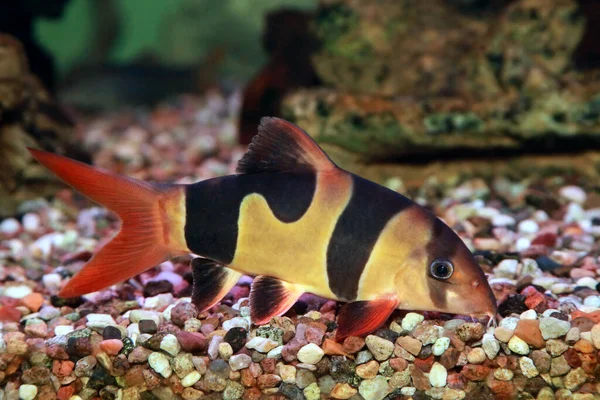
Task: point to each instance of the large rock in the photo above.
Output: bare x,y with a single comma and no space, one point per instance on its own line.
437,47
28,117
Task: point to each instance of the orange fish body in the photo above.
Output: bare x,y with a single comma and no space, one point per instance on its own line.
294,220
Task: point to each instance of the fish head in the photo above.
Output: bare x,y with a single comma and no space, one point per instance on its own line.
438,272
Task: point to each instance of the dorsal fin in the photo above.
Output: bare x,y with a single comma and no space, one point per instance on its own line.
282,146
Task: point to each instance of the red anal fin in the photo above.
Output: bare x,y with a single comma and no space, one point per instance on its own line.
270,297
142,240
212,282
361,317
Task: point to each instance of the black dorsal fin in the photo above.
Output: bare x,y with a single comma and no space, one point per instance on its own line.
282,146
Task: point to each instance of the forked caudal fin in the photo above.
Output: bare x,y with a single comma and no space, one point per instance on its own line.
151,222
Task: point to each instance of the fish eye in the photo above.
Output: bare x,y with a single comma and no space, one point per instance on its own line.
441,269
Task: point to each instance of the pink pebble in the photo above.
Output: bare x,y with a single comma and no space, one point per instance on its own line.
577,273
111,346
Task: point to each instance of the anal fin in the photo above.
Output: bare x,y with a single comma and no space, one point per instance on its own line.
361,317
212,282
270,297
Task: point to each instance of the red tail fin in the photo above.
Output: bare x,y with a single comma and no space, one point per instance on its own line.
150,217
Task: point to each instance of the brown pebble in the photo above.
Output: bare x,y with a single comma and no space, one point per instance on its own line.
456,381
572,358
247,379
424,364
398,364
502,389
412,345
529,331
268,365
420,381
268,381
252,394
57,352
353,344
450,358
584,346
583,324
541,360
475,372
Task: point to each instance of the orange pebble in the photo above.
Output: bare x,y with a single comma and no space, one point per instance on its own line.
33,301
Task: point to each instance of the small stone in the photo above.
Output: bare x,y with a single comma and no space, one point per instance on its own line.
572,336
33,301
528,368
438,375
595,333
411,320
343,391
287,373
148,326
559,366
573,193
427,334
529,331
476,356
553,328
239,361
490,346
507,268
353,344
139,355
475,373
190,379
261,344
374,389
368,370
28,392
213,347
304,377
182,312
587,281
170,344
236,337
111,332
160,364
400,379
310,354
503,334
541,360
575,378
363,357
191,342
268,381
225,351
440,346
470,331
556,347
111,346
99,321
381,348
312,392
503,374
236,322
410,344
517,345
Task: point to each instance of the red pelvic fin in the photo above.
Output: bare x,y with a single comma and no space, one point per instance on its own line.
361,317
143,239
211,282
270,297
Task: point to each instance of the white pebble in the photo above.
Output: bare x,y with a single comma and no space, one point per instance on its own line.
545,281
522,243
99,321
438,375
190,379
261,344
519,346
160,364
63,329
592,301
540,216
509,323
239,361
528,367
28,392
529,314
236,322
440,346
310,354
507,268
490,345
588,282
52,281
139,315
528,226
17,292
411,320
573,193
9,227
159,301
503,220
553,328
31,222
213,347
575,213
170,344
275,353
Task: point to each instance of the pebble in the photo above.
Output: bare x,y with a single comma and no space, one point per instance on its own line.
528,368
213,347
517,345
311,354
17,291
343,391
28,392
595,335
261,344
99,321
381,348
190,379
225,351
368,370
476,356
490,346
503,374
312,392
411,320
160,364
573,193
553,328
374,389
9,227
587,281
287,373
440,346
413,346
170,344
528,226
438,375
111,346
239,361
236,322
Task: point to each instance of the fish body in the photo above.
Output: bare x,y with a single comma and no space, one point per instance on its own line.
294,220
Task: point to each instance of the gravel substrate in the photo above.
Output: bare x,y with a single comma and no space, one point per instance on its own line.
143,339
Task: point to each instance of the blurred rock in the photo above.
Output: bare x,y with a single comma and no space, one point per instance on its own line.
29,116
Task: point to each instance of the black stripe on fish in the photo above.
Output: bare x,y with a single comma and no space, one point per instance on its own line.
213,207
369,210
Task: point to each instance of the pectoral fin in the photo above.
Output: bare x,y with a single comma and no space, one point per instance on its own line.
270,297
361,317
212,282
